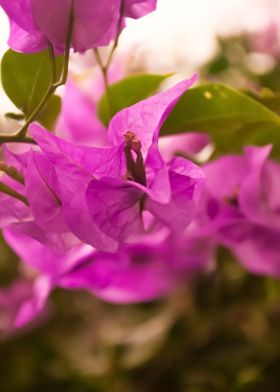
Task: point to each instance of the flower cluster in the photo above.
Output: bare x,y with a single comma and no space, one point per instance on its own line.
119,210
240,207
96,217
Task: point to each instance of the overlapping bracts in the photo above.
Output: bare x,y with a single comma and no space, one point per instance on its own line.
96,217
35,23
121,212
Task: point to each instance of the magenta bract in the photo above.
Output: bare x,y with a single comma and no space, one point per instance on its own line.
34,23
104,192
241,208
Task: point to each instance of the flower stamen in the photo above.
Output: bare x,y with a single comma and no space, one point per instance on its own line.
135,167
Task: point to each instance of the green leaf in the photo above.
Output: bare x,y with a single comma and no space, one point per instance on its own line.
231,118
26,77
127,92
268,98
48,115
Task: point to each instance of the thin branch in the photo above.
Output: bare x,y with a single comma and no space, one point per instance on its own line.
105,67
12,172
15,138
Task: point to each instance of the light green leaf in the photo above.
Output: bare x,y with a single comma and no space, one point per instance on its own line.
231,118
127,92
26,77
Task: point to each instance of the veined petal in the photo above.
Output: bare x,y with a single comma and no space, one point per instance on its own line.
95,161
186,182
73,187
145,118
76,166
114,205
40,184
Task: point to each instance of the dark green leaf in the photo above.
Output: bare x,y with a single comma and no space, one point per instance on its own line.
47,117
26,77
127,92
231,118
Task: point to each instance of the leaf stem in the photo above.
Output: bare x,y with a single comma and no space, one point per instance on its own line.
15,138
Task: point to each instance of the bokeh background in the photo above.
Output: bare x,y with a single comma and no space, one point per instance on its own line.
219,333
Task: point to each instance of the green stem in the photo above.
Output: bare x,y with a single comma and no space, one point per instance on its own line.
11,192
15,138
12,173
104,71
105,67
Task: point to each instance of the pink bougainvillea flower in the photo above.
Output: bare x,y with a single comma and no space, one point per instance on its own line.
34,23
84,96
241,208
135,273
105,191
142,272
48,263
23,302
36,211
11,300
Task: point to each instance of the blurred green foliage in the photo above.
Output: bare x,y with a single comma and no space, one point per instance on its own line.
220,334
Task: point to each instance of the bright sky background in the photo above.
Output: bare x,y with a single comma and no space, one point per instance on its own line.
181,33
